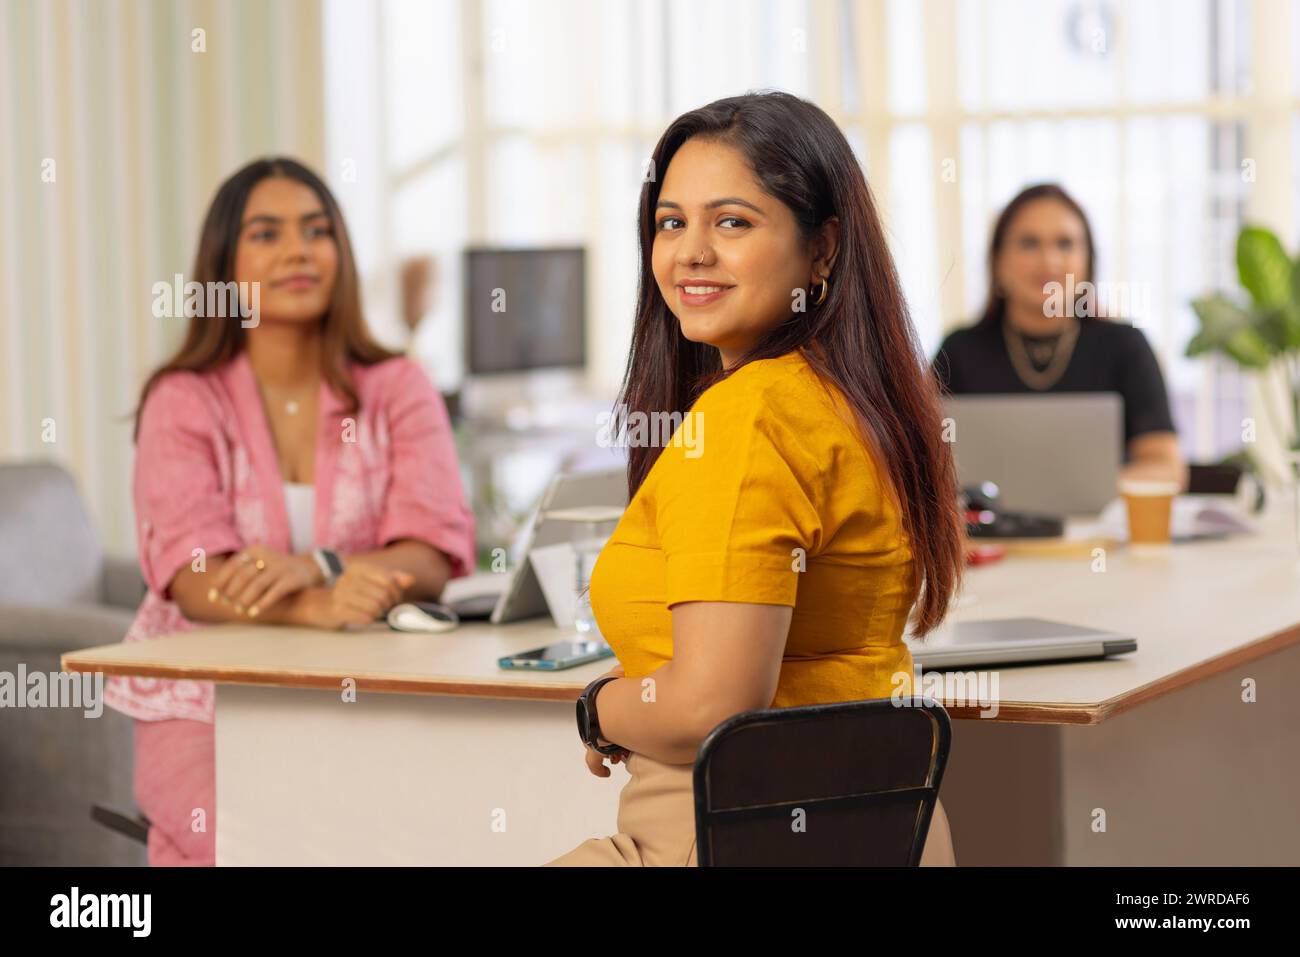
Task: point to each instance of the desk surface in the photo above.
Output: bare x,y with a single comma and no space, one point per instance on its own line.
1196,610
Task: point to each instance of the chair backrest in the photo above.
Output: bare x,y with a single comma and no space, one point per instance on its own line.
850,784
49,553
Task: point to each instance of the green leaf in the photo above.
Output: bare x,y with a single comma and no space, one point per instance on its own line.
1293,309
1291,325
1220,317
1198,345
1263,267
1232,330
1280,328
1249,348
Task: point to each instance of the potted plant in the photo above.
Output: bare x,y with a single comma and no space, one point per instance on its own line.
1261,334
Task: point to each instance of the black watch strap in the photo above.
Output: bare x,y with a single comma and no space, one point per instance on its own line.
331,566
589,720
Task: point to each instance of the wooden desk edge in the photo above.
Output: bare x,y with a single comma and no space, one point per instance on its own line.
1010,712
1262,648
331,682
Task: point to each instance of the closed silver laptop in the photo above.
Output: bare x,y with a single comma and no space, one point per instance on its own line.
1006,641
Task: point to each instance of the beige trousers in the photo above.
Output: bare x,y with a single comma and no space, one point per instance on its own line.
656,824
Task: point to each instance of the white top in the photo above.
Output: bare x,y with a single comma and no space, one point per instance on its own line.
300,503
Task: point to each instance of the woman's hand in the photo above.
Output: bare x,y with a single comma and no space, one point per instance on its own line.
362,594
596,760
257,577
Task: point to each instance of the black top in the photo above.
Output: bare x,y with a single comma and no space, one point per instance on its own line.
1109,356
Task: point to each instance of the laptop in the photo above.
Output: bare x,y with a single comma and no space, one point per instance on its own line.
517,595
1054,454
1014,641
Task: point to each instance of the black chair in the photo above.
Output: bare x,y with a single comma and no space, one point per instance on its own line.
850,784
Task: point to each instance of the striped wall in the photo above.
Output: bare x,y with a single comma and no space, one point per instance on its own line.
108,99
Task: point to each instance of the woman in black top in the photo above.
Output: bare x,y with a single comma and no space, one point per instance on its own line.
1031,338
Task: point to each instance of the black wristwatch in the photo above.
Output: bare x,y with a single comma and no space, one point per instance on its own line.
331,566
589,721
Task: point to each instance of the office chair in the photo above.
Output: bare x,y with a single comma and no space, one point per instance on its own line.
850,784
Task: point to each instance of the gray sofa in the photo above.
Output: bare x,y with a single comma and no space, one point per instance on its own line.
58,593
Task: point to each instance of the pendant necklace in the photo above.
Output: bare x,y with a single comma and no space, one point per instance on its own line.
1056,356
291,404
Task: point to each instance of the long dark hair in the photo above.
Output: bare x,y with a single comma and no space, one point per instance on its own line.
860,339
996,303
211,342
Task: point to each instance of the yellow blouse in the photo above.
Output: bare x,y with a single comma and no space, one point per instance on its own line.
772,499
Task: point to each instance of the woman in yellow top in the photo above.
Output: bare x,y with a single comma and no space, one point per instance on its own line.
772,550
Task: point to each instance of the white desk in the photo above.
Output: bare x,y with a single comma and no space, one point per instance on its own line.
445,759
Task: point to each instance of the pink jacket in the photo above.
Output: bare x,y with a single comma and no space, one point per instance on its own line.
207,477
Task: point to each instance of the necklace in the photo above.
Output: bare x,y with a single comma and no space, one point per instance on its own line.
291,403
1018,350
1041,350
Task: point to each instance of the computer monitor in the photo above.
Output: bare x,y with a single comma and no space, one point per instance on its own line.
525,309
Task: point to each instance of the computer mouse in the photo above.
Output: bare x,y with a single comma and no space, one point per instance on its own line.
425,616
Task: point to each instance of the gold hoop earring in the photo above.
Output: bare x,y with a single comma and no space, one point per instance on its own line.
821,296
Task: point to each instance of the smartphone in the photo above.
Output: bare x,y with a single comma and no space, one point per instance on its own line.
562,654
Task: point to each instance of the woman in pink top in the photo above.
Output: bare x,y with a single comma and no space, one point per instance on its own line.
275,446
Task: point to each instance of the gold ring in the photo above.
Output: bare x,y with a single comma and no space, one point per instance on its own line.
259,564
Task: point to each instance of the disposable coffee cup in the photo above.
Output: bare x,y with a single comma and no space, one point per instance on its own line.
1150,508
